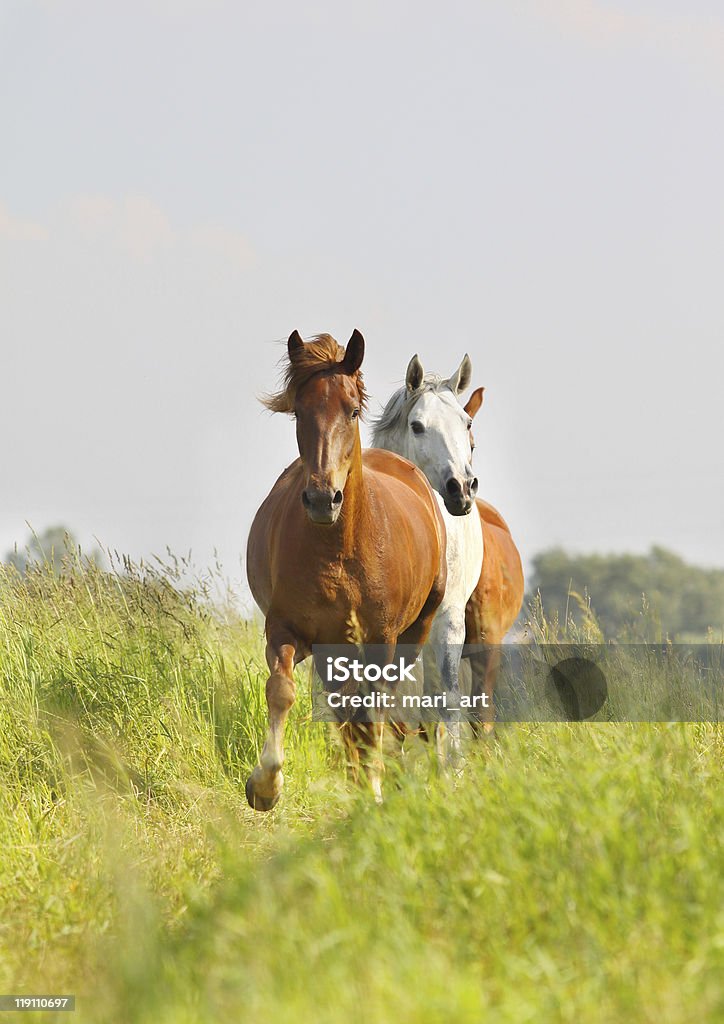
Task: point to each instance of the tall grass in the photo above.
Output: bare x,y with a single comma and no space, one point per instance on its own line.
571,873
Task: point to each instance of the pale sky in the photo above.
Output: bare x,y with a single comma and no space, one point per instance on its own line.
539,184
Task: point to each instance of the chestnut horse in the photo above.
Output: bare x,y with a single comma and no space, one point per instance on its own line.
498,596
348,547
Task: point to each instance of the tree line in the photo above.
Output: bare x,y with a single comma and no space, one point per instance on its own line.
631,596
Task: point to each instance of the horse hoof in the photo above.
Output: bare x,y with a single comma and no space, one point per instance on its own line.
257,802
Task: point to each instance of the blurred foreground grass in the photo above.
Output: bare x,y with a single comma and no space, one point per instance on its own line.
573,873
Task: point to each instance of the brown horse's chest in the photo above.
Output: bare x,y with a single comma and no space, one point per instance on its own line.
344,603
340,585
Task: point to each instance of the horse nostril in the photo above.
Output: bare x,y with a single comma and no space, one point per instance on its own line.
453,487
305,499
337,499
474,485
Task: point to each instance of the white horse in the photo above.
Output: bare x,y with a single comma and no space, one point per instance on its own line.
425,423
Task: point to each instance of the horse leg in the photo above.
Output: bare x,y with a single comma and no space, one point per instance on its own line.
264,785
447,637
484,665
368,736
363,746
351,748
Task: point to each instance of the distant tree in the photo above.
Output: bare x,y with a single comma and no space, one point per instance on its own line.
49,547
685,600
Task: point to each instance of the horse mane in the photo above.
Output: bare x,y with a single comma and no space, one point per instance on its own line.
322,354
394,415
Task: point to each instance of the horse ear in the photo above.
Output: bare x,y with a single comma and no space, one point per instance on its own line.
461,378
473,404
354,353
295,345
415,374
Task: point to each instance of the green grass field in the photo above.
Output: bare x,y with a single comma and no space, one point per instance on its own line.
572,873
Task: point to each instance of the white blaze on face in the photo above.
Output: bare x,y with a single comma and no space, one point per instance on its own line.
438,438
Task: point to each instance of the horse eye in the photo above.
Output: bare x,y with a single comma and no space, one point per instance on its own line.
355,414
470,425
417,427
